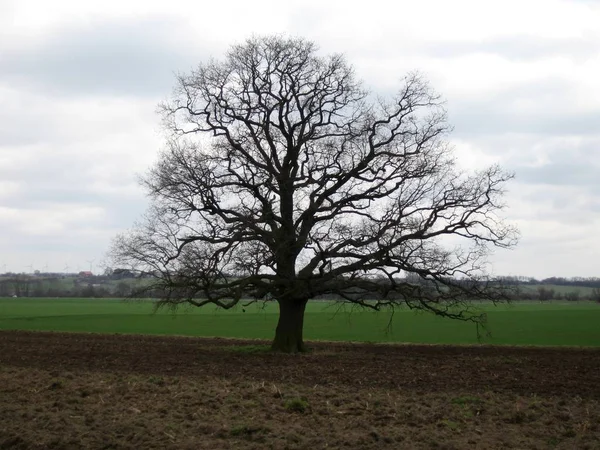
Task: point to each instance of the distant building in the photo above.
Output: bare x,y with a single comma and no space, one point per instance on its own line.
86,273
119,274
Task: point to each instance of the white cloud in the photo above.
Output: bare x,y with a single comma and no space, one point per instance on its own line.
79,84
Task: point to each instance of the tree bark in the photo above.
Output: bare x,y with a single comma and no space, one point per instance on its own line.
288,335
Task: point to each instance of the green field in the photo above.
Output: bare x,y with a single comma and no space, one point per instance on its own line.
575,324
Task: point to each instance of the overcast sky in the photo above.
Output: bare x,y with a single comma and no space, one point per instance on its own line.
80,81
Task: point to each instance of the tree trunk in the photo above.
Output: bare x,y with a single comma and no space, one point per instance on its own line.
288,335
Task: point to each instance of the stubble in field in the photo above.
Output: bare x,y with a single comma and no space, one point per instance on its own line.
98,391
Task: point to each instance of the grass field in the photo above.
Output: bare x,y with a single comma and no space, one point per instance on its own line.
574,324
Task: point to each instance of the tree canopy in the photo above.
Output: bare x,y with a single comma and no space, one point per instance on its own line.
284,178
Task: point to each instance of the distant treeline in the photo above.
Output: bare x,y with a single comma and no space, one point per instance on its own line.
590,282
120,283
64,286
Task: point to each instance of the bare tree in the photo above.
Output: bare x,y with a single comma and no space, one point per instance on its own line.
285,179
545,294
572,296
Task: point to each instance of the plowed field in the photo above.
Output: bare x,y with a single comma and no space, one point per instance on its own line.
66,391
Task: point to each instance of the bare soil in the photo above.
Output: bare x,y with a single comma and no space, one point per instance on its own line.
72,391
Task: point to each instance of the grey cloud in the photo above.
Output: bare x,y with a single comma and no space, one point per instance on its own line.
112,58
502,112
480,119
556,176
563,173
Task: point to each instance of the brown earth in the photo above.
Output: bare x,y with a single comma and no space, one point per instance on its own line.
71,391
